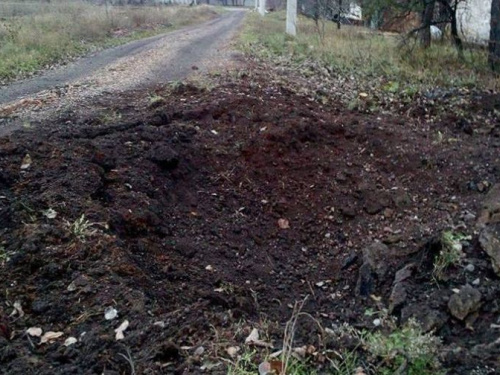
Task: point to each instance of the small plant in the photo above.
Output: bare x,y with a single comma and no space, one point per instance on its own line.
450,255
407,348
156,100
81,228
244,364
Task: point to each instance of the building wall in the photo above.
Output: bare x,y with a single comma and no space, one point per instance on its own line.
474,20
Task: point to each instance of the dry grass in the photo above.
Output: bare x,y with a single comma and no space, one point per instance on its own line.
361,51
35,34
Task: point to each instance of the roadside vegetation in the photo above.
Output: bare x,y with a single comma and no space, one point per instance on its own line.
36,35
367,53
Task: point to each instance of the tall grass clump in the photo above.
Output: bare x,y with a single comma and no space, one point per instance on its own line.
36,34
365,52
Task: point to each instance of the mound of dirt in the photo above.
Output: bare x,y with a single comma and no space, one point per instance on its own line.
209,208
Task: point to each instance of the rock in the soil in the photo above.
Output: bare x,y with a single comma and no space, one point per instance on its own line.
376,256
466,301
375,262
490,242
365,283
398,296
164,156
428,318
490,212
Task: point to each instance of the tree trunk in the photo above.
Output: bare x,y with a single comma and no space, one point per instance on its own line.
454,33
340,14
494,44
425,33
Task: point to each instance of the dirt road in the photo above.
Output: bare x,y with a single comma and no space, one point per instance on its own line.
139,64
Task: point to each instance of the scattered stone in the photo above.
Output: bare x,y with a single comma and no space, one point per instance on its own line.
490,212
404,273
465,302
365,283
476,282
428,318
470,267
376,255
398,296
490,242
349,261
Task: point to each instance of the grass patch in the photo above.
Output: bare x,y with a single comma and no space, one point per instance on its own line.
34,35
362,52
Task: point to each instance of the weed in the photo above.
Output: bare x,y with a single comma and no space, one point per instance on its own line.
366,53
451,253
81,228
244,364
110,117
35,35
407,347
156,100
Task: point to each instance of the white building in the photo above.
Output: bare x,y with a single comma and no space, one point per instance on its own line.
474,20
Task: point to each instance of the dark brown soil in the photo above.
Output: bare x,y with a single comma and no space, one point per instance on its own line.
186,197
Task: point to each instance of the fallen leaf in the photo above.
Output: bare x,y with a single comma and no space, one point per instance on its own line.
264,368
253,336
199,351
50,213
253,339
50,336
110,313
17,309
119,331
70,341
233,351
283,223
26,163
34,331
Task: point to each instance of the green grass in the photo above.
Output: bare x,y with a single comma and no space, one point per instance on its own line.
365,53
34,35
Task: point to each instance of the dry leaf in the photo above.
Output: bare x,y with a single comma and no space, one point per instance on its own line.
253,339
283,223
26,163
253,336
233,351
110,313
34,331
50,213
264,368
50,336
119,331
70,341
17,309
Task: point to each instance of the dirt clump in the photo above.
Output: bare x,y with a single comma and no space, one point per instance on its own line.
171,215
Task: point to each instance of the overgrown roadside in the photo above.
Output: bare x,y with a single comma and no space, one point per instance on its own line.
37,36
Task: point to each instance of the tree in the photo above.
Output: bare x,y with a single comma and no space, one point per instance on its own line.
494,44
425,29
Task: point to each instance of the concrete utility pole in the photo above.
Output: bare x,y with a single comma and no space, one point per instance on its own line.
262,7
291,17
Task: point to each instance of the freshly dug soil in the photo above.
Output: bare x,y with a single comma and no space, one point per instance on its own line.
209,208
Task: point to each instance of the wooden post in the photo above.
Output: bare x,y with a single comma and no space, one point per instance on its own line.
291,17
